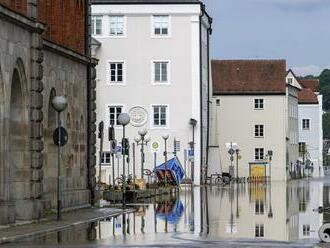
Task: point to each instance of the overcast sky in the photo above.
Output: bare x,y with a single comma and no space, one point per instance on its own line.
295,30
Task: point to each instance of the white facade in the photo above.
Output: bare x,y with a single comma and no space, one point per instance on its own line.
236,117
162,73
313,135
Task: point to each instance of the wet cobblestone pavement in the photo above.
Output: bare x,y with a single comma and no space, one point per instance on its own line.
247,215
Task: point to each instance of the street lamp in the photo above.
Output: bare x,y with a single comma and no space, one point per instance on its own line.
59,103
165,137
124,119
237,157
193,123
142,140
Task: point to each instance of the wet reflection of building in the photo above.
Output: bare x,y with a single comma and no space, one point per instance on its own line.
257,211
310,197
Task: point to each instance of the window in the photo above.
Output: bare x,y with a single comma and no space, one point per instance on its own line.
218,102
161,72
306,230
116,72
306,124
302,147
161,25
259,103
259,230
259,153
117,25
114,112
160,116
259,130
259,207
290,81
96,25
105,158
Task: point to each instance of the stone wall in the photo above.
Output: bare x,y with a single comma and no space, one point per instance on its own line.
32,71
65,76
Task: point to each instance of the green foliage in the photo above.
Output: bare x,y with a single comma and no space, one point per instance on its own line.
325,78
326,125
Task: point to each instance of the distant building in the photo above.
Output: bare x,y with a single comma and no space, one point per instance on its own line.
253,107
310,125
154,65
44,51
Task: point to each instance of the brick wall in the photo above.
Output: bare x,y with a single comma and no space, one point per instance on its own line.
65,20
19,6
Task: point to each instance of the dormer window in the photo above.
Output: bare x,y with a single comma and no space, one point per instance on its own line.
290,81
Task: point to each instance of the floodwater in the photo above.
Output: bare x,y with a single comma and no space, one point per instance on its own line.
244,215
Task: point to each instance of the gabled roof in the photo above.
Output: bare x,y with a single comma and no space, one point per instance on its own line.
146,2
307,96
295,82
231,77
313,84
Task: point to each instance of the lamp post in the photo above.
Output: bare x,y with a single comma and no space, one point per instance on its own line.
165,137
124,119
270,156
59,103
193,123
237,157
142,140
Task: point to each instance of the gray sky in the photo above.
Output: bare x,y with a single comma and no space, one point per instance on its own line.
295,30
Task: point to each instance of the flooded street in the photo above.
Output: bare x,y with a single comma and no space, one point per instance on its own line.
249,215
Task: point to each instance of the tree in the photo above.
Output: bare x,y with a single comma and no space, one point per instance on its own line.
325,78
326,125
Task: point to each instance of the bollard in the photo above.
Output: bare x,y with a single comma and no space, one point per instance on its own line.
324,233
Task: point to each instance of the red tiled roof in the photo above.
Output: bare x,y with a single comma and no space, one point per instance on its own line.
249,76
313,84
307,96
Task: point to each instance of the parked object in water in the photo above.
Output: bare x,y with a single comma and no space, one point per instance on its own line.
172,170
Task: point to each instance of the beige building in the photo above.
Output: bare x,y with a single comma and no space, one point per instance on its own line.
254,108
154,65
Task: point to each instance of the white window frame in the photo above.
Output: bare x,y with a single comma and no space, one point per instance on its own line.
309,124
258,158
290,79
259,207
260,227
257,131
153,72
258,105
116,36
108,69
103,158
107,115
306,230
93,25
169,28
152,126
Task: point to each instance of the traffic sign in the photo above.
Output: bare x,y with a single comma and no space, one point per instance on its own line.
155,146
231,151
118,149
64,136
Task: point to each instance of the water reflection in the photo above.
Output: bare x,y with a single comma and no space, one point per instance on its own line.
277,211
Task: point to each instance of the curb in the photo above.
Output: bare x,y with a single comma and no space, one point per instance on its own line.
12,239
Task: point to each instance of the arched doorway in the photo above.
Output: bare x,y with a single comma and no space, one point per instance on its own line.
19,162
50,165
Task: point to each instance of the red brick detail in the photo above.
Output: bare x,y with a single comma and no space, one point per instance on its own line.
65,21
19,6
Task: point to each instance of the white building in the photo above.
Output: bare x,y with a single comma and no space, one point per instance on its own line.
310,124
253,107
153,63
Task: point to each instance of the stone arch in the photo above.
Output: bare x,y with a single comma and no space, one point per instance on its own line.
50,166
19,159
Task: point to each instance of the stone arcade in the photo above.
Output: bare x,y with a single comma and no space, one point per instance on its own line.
45,51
